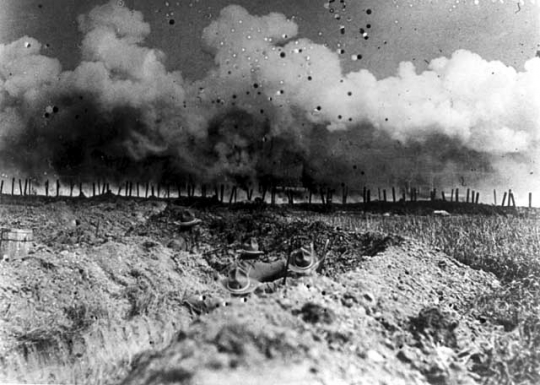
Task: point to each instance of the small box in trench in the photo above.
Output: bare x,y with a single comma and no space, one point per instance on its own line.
15,243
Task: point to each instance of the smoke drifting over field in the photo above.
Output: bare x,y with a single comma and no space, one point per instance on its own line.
275,107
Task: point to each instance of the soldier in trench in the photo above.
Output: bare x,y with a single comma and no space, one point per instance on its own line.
188,227
247,275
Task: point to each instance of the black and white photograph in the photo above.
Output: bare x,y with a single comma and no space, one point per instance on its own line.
292,192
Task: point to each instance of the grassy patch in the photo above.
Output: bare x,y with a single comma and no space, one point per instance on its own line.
106,352
91,341
509,247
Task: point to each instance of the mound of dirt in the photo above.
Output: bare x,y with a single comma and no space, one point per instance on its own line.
401,316
381,309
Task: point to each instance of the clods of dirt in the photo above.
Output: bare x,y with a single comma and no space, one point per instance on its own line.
314,313
380,309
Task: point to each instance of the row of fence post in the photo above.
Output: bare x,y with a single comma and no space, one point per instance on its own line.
326,194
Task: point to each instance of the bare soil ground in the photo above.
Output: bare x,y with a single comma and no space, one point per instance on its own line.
383,309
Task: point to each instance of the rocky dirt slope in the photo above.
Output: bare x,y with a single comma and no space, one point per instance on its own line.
382,310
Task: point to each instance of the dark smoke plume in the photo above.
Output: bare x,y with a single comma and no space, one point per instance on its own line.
274,109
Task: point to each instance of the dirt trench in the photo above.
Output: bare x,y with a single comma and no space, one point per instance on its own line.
382,309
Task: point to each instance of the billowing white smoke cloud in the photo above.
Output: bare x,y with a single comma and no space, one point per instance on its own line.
116,67
487,105
268,83
116,71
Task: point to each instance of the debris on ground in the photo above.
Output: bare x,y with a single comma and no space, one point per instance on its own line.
380,309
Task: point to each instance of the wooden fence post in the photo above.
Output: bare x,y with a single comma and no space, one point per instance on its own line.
511,200
323,195
329,194
290,196
530,197
232,196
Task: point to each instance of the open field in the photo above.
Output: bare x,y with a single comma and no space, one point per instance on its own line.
112,292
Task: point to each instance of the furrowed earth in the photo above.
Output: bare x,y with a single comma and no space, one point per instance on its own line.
113,283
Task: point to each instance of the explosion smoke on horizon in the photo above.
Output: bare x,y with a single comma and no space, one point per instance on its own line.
275,107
